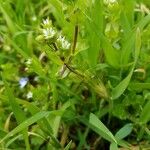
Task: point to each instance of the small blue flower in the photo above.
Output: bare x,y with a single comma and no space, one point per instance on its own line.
23,81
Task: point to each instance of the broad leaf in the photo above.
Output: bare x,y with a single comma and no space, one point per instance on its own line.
124,131
100,128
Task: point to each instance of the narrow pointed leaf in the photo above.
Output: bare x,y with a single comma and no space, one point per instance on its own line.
124,131
100,128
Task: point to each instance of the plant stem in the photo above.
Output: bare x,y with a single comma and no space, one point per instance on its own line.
75,38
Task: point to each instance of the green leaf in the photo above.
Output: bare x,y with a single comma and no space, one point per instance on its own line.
57,119
128,8
143,22
113,146
44,122
19,114
58,12
2,133
12,140
33,109
100,128
127,46
94,24
147,131
112,56
145,115
9,21
129,40
26,124
17,48
125,23
121,87
36,66
124,131
137,44
68,145
53,56
139,86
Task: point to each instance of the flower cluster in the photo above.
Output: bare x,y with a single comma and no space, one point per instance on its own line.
50,34
48,31
47,23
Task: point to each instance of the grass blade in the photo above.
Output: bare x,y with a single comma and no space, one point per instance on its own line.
68,146
112,56
19,114
100,128
93,25
26,124
145,115
9,22
113,146
121,87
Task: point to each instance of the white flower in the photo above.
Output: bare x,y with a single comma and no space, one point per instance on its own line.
61,39
46,23
49,33
23,81
64,43
29,95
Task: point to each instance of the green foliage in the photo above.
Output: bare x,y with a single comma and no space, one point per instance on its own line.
101,129
124,131
74,74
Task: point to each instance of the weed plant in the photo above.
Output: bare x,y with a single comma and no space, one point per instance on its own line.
74,74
